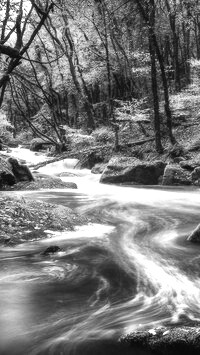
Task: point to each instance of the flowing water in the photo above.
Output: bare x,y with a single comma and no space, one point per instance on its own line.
131,269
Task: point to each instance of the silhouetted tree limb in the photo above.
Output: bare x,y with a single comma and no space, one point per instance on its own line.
15,54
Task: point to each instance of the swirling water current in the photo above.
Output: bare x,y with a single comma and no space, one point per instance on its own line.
131,269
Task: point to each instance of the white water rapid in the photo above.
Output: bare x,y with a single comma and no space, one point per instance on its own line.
131,269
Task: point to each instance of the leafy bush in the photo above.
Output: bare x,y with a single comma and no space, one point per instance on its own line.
194,145
135,111
80,141
103,135
137,153
23,137
176,151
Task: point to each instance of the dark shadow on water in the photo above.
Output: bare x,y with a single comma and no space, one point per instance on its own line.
96,347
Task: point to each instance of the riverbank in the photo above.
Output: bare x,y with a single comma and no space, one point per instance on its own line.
25,220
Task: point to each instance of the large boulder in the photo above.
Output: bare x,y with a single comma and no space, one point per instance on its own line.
195,235
174,175
20,171
132,170
196,176
6,174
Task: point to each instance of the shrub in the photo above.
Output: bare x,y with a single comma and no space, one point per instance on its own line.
81,141
103,135
176,151
24,137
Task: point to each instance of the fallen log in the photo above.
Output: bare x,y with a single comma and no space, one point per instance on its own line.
139,142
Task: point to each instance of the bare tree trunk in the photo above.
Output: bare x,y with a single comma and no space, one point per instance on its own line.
145,16
154,85
175,41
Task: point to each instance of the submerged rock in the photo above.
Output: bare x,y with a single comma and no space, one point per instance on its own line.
132,170
51,250
195,235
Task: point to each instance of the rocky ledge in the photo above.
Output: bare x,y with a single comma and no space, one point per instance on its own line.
164,341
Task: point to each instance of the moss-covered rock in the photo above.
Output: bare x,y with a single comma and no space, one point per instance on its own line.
23,220
165,341
20,171
175,175
38,144
132,170
6,174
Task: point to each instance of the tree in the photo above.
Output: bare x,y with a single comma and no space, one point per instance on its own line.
145,7
152,51
15,53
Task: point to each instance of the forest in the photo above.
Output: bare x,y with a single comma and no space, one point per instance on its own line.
119,71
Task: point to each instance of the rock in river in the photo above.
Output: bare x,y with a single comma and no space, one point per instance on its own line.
20,171
6,175
132,170
195,235
175,175
51,250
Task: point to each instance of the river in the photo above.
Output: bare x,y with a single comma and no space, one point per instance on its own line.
132,269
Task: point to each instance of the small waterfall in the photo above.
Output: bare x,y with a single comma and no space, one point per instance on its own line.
59,167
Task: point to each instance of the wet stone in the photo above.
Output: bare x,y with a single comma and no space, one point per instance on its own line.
51,250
